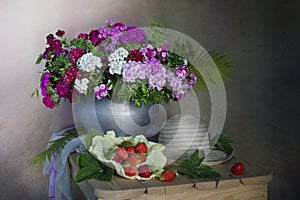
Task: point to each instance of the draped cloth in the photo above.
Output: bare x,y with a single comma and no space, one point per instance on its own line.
58,169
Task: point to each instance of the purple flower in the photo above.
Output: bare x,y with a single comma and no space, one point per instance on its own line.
135,35
132,71
75,54
101,91
182,71
93,36
193,79
44,83
83,35
48,102
60,33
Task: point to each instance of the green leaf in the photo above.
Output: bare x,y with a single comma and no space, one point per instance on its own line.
36,92
55,145
39,59
224,144
192,166
91,168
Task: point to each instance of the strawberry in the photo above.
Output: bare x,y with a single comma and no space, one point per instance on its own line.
130,149
132,159
142,157
167,175
238,168
122,153
117,159
141,148
144,171
130,170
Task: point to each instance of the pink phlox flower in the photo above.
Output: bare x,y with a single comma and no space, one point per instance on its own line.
182,71
101,91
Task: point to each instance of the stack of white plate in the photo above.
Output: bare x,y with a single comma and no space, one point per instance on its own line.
182,135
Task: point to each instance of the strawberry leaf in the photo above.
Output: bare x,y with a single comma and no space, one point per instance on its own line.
192,167
91,168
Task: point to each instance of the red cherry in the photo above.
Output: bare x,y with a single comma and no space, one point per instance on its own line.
238,168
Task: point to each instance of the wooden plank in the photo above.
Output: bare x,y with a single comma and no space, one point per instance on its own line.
180,183
251,192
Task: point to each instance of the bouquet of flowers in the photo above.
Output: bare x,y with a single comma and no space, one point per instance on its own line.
113,60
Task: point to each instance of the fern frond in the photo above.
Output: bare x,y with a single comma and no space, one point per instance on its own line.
55,146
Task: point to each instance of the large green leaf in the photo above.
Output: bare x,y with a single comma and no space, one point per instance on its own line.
91,168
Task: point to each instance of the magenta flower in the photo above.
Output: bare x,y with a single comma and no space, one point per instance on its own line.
70,74
44,83
182,71
48,102
75,54
83,35
60,33
101,91
94,36
63,89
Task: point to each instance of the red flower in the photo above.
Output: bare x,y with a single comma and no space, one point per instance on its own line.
75,54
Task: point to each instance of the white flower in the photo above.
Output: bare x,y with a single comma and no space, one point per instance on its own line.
117,60
81,85
185,62
88,62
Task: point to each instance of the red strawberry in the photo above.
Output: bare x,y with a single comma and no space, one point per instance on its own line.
144,171
238,168
142,157
167,175
141,148
130,149
132,159
122,153
130,170
117,159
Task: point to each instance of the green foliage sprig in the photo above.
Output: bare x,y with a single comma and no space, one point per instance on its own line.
91,168
55,146
193,167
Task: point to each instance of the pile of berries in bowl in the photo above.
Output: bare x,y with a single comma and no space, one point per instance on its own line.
132,157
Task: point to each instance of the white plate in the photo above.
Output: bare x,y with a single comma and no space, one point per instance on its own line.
183,140
214,157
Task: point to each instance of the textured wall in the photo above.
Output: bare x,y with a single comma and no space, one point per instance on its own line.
261,38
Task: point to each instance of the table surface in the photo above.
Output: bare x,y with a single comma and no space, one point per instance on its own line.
255,177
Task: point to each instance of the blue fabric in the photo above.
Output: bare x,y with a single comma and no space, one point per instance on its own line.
58,169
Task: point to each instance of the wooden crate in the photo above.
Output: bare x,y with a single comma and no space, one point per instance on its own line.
253,184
